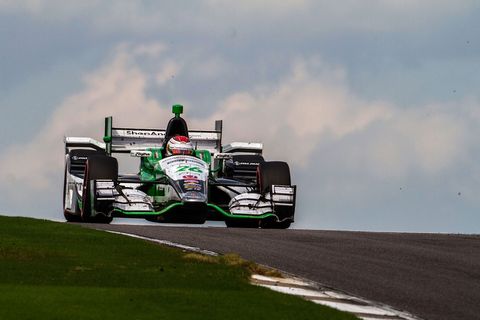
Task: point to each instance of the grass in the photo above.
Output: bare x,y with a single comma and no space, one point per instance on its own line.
52,271
232,259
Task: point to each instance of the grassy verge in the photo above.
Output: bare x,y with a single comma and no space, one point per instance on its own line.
52,270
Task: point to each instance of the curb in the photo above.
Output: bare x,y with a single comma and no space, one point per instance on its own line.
363,309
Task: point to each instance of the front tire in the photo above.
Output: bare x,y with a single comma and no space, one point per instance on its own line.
98,167
69,216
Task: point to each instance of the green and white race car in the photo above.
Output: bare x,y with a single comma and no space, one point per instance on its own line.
211,181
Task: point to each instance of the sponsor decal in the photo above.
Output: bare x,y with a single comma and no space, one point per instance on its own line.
208,136
238,163
75,158
183,159
140,154
148,133
192,186
188,168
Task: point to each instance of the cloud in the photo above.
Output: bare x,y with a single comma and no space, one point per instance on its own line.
116,89
323,16
48,8
386,15
298,113
313,107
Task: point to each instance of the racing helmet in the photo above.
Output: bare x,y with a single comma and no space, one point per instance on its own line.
179,145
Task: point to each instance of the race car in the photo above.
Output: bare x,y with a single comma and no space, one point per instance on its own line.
184,177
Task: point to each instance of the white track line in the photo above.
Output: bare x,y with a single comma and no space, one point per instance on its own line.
364,309
167,243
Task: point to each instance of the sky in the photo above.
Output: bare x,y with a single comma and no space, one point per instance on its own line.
374,104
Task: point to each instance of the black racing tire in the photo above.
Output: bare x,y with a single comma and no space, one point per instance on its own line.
77,159
97,167
101,167
276,225
69,216
73,162
243,223
268,174
282,225
103,219
272,173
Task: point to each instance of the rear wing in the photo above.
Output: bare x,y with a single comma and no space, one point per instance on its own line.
128,139
124,140
82,142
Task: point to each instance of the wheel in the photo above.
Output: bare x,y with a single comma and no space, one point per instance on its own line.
276,225
69,216
282,225
75,165
103,219
97,167
77,159
272,173
243,223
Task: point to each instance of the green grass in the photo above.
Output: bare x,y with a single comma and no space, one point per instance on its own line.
53,270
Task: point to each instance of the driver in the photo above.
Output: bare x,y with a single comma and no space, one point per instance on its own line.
179,145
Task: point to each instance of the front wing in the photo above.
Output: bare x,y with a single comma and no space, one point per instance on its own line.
279,204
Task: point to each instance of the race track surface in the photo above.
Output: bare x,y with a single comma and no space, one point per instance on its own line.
432,276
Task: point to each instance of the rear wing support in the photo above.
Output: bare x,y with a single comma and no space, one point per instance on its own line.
107,138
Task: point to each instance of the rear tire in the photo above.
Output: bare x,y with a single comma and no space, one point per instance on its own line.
276,225
75,165
97,167
272,173
243,223
268,174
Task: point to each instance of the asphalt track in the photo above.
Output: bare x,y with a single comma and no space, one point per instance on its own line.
433,276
